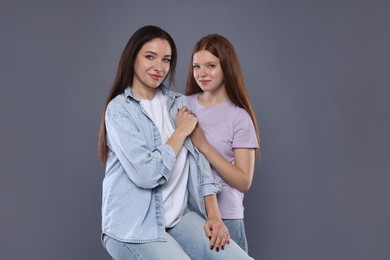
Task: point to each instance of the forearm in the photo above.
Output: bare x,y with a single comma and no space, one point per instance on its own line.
232,174
214,227
176,141
211,205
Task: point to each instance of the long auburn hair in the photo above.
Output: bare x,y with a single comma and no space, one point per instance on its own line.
125,73
235,85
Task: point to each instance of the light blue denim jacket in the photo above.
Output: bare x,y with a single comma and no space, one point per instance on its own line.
138,164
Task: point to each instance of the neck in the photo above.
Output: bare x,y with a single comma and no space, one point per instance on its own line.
143,93
211,98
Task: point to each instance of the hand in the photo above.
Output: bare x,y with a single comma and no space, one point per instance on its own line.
185,121
217,232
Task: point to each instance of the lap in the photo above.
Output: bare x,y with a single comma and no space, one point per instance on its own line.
190,234
155,250
187,240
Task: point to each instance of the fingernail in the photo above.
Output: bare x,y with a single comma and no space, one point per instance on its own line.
209,237
217,249
212,248
223,248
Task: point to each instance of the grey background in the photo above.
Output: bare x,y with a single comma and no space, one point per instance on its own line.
317,73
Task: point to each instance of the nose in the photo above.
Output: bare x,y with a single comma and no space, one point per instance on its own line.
203,72
158,66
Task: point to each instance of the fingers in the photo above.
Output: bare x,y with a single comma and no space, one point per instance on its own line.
221,239
207,230
225,239
218,234
185,109
185,121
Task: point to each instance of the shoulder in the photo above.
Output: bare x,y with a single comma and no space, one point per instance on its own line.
122,105
167,91
240,112
236,111
191,100
191,97
117,103
240,116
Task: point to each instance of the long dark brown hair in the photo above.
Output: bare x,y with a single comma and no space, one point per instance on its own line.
125,73
235,85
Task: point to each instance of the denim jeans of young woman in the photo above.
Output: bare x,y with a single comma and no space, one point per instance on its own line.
237,232
187,240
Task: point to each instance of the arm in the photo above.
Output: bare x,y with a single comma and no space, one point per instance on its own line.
185,124
238,175
214,228
149,168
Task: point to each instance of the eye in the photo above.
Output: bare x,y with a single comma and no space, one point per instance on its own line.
195,67
149,57
211,66
166,60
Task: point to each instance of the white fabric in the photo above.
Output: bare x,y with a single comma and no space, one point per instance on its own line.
174,191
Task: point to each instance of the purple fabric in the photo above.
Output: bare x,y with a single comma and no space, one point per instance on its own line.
226,126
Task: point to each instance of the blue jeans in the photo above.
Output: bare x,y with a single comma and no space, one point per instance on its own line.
237,232
187,240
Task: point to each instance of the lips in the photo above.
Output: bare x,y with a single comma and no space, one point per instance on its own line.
204,82
155,77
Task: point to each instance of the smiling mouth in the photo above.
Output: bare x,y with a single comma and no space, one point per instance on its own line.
204,81
155,77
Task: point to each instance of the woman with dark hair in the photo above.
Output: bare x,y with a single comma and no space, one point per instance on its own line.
157,186
228,133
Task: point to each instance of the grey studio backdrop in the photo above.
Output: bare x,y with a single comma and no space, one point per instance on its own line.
317,73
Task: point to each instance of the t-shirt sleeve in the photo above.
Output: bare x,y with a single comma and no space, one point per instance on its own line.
244,134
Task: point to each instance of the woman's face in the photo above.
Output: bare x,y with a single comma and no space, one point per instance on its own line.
207,71
151,65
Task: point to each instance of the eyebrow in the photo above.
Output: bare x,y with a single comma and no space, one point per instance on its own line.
152,52
207,63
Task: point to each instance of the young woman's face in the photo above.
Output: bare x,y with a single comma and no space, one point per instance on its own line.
207,71
152,65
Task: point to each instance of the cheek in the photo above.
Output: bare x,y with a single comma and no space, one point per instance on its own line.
219,75
196,77
167,67
195,73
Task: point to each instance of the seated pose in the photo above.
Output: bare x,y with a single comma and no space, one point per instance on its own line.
159,196
228,134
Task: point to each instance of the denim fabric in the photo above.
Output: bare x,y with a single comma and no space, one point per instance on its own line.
156,250
237,232
138,164
187,235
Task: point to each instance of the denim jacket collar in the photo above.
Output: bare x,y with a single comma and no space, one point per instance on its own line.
165,90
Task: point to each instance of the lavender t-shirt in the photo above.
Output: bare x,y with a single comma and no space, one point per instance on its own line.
226,126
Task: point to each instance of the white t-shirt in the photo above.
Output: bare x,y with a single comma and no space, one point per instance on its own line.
174,191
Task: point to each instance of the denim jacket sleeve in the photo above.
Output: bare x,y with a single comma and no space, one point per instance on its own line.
147,167
209,185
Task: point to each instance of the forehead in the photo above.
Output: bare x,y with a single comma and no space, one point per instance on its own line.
159,46
204,56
